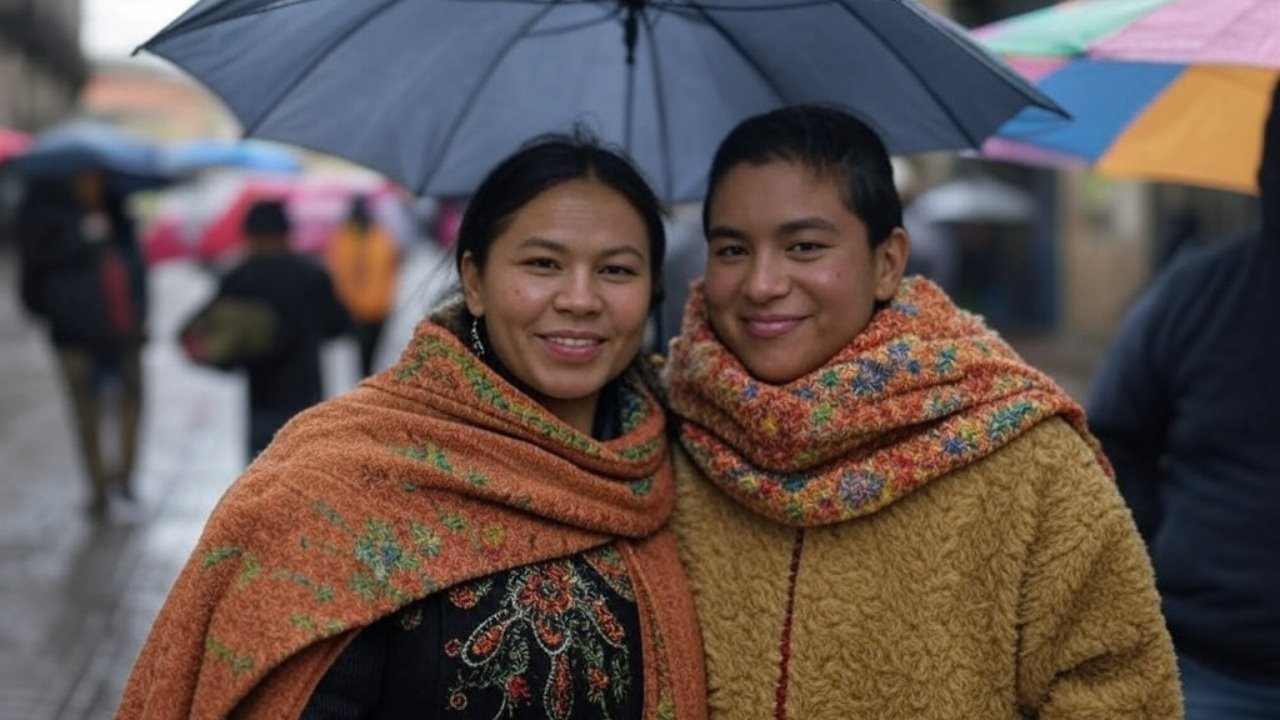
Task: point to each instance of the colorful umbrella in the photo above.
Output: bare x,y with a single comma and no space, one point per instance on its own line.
1166,90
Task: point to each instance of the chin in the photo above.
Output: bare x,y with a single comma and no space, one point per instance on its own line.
772,374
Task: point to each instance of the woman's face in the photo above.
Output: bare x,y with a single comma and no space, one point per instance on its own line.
565,295
791,277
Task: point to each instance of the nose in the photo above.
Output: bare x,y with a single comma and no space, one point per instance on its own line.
579,294
766,279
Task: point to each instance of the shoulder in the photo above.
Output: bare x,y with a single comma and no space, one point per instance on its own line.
1056,447
1061,481
1194,278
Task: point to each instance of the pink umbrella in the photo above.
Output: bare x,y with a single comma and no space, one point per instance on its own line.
12,142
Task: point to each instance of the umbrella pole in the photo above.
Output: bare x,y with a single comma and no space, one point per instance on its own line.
630,31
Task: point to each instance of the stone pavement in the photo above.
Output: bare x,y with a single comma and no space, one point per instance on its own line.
76,596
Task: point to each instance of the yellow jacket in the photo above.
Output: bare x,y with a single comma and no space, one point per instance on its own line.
363,268
1013,587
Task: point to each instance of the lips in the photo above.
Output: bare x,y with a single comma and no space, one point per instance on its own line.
770,326
576,347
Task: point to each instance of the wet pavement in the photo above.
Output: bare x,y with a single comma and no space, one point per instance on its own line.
77,596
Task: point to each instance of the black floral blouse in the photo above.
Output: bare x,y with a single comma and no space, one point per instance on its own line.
555,640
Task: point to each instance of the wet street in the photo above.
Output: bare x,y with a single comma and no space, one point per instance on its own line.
77,596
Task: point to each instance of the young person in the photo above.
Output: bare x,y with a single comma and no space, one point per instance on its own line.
477,531
883,511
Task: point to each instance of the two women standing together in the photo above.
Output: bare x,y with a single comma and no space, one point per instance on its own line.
875,508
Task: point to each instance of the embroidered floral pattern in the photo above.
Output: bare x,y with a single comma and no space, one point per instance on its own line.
407,508
925,388
554,626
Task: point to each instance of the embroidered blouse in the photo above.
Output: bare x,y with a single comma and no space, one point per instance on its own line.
558,640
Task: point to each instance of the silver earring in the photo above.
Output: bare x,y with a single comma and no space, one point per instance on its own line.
476,343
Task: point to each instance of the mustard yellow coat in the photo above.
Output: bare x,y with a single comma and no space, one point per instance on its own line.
364,270
1016,587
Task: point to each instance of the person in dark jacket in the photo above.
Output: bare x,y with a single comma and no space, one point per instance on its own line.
82,273
307,312
1186,405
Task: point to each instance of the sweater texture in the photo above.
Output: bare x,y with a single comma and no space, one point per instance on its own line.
919,529
432,473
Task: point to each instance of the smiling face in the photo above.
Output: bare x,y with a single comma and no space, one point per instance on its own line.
791,276
565,294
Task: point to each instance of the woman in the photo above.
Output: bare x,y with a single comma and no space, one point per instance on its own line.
882,510
478,530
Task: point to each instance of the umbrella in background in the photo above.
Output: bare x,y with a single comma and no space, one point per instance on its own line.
979,199
12,142
204,220
196,155
131,163
1167,90
434,93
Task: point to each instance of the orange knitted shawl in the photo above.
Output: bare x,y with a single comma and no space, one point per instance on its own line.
432,473
924,389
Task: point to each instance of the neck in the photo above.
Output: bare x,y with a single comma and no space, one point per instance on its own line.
579,414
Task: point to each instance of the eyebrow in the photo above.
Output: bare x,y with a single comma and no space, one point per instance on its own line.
559,247
789,227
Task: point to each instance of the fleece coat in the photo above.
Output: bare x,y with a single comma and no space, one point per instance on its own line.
851,584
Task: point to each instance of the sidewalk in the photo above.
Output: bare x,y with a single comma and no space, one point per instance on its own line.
78,597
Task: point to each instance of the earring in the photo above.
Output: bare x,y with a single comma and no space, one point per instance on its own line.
476,343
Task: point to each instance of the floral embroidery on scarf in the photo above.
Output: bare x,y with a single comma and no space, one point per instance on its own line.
557,610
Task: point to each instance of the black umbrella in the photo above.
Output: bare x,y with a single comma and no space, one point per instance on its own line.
130,162
434,92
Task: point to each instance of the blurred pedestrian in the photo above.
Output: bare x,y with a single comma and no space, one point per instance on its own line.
478,532
884,512
307,312
363,262
82,272
1185,404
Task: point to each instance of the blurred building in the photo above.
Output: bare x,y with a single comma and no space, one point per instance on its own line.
152,98
42,67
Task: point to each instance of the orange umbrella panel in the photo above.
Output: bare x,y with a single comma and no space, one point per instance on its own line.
1197,125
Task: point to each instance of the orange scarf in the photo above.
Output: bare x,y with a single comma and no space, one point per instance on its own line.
430,474
924,389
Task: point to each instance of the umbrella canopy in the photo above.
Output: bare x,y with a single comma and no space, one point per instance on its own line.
197,155
979,199
434,92
1169,90
131,163
12,142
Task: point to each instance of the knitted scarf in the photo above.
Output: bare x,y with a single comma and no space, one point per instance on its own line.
924,389
435,472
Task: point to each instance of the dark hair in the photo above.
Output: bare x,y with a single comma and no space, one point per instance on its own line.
831,142
266,218
358,212
538,166
1269,166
